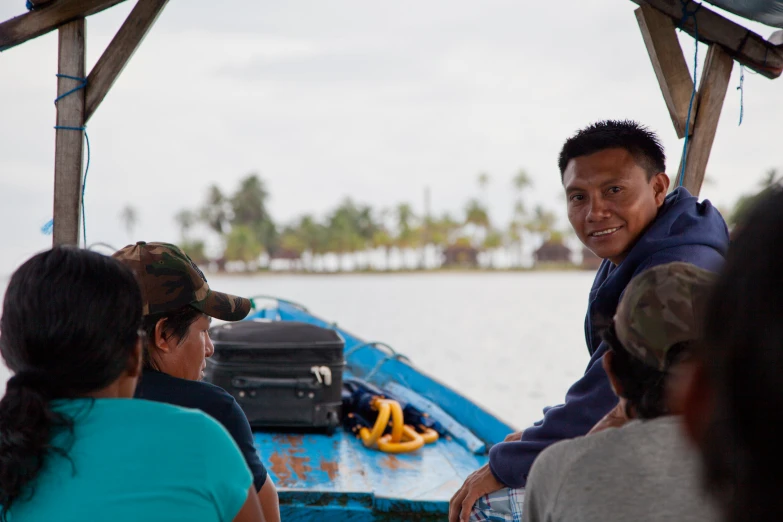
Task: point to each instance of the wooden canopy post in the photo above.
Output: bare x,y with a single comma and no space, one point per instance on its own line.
709,27
68,155
712,92
728,41
78,98
660,38
120,51
48,17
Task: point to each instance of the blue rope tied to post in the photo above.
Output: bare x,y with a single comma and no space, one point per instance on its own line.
685,15
47,228
741,89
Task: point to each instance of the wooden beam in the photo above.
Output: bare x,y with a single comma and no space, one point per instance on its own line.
669,65
119,52
745,46
68,143
48,18
712,91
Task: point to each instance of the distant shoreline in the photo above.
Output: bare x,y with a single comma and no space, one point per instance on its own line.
438,271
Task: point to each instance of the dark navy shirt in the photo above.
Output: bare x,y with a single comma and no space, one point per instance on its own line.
212,400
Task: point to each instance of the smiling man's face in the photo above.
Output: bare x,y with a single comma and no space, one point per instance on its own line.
611,201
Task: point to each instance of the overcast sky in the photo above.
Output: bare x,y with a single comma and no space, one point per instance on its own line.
373,100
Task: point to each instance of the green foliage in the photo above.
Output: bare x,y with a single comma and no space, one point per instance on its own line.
248,206
746,201
216,211
242,222
186,219
521,180
494,239
542,222
557,237
195,250
476,214
350,227
242,245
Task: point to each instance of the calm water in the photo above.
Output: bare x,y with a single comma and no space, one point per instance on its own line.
513,342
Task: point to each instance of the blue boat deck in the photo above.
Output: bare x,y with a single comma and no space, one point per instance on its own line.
322,477
338,474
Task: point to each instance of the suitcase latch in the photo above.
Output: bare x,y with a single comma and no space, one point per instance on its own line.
323,374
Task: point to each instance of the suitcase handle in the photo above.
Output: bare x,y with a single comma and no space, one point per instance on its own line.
255,383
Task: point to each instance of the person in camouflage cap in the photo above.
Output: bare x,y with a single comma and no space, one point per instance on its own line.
636,463
169,280
178,305
662,308
656,323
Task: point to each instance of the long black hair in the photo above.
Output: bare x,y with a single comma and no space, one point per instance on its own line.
743,445
69,327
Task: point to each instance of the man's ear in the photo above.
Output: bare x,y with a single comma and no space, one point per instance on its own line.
697,403
660,185
161,341
606,361
135,359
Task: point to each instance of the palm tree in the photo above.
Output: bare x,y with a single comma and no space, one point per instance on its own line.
242,245
521,182
130,218
216,211
405,232
476,215
383,239
185,219
483,183
248,205
493,240
542,222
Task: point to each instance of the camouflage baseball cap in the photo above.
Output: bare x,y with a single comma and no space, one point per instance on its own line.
170,280
661,307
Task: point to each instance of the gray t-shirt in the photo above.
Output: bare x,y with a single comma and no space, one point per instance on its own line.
643,471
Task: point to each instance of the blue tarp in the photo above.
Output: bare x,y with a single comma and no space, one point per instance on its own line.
769,12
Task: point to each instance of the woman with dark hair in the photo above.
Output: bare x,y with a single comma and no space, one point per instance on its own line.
640,469
72,446
178,307
734,404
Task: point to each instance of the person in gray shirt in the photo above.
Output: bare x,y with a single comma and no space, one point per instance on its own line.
636,465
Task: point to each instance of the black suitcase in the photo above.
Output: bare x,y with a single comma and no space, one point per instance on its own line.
283,374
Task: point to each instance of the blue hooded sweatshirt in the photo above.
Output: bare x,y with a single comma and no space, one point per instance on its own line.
684,230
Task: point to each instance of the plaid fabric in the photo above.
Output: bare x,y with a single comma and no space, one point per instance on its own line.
504,505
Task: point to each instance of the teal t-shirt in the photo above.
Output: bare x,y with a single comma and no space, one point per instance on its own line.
139,461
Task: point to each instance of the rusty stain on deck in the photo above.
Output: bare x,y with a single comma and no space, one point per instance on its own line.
290,439
332,469
290,459
392,462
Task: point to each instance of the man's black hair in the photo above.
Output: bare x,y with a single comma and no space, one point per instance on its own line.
177,324
638,140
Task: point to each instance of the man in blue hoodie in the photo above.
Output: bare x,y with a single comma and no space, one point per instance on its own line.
613,173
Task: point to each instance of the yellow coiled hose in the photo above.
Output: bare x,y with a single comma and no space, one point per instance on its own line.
403,438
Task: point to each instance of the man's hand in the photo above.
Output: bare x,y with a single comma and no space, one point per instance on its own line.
514,437
479,483
614,419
